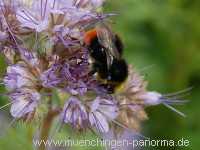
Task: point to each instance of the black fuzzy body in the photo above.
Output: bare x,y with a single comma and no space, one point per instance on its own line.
116,73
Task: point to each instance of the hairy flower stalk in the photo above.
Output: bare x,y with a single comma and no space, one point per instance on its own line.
43,44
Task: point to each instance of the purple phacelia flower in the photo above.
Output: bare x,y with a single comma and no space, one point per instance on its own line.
44,44
102,112
70,76
18,76
29,57
35,18
50,78
23,101
75,113
39,16
77,88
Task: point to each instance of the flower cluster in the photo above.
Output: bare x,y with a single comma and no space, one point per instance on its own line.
43,44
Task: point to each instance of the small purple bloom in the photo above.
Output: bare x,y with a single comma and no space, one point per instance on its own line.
75,113
67,76
24,101
102,111
18,76
36,18
50,78
33,23
77,88
29,57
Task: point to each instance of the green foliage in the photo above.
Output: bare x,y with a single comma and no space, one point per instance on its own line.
19,138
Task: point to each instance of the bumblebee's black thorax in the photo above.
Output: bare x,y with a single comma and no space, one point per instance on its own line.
114,74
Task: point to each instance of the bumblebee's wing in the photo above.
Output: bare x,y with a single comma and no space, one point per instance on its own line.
106,39
89,21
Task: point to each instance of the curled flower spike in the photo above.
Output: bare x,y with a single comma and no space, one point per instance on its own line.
131,110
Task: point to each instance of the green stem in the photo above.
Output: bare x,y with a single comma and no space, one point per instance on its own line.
46,127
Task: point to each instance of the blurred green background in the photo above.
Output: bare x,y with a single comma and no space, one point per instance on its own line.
162,36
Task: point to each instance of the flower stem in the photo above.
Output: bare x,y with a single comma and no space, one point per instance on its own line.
46,127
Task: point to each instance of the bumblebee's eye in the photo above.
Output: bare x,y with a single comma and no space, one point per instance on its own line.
118,71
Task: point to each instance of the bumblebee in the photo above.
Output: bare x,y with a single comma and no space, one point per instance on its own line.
106,51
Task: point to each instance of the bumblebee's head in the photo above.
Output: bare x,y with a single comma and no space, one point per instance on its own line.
118,71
